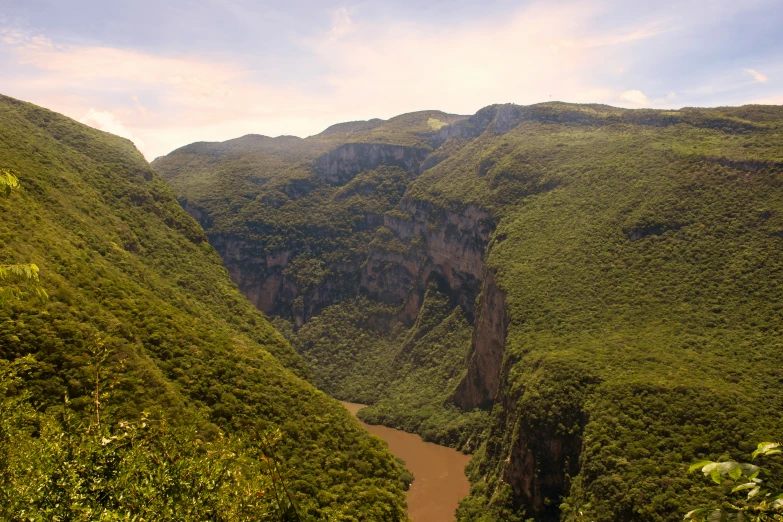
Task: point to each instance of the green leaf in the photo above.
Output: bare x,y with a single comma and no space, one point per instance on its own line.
749,470
765,448
698,465
692,514
725,468
735,472
710,467
741,487
716,476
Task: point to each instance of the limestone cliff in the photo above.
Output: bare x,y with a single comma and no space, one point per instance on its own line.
423,245
480,386
340,165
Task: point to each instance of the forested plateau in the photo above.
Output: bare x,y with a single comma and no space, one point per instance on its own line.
584,297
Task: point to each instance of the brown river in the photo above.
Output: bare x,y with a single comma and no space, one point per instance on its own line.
439,477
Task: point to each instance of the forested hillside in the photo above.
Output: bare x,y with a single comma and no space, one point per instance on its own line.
142,328
300,223
586,297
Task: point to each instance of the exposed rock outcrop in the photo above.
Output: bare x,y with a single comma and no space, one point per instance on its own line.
479,387
261,276
340,165
448,245
535,440
203,218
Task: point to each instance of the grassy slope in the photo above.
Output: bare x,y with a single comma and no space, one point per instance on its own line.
122,260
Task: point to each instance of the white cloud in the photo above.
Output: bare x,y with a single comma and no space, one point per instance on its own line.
635,97
341,24
757,75
544,51
109,122
772,100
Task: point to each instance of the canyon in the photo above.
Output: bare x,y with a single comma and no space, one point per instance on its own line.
479,280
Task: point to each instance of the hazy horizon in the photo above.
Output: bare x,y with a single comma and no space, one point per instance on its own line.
168,75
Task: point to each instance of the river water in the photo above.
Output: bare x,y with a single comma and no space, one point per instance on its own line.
439,472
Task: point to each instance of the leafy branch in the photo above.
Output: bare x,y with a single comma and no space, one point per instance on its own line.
15,279
764,500
8,181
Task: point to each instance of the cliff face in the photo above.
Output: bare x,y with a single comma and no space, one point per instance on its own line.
535,439
540,463
423,245
341,164
258,274
395,269
480,386
263,277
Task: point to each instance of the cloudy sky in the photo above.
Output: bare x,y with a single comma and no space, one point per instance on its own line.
165,73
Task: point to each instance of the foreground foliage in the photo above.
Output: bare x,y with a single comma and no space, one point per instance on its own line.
56,467
762,488
122,262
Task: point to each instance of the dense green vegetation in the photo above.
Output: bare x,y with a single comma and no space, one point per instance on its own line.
406,375
644,266
194,375
269,196
55,467
639,253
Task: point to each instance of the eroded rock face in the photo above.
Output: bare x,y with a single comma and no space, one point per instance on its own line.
197,213
258,274
538,469
535,439
261,276
449,246
480,386
342,164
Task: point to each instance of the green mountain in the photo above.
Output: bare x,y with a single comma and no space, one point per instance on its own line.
585,297
143,318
